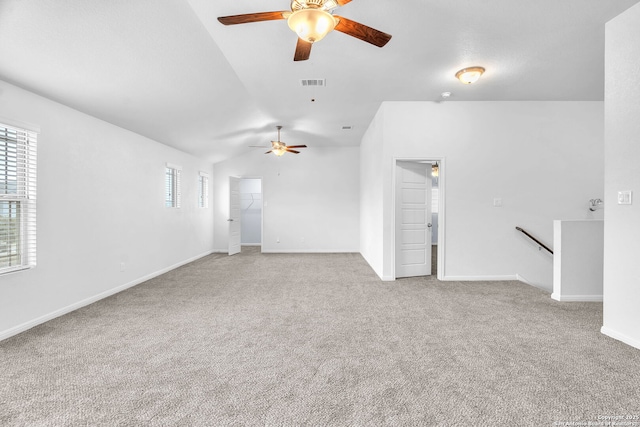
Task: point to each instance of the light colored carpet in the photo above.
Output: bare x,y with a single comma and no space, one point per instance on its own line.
315,340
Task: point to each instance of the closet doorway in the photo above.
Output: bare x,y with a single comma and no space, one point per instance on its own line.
418,233
251,211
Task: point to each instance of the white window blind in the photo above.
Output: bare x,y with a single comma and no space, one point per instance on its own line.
17,198
203,190
172,186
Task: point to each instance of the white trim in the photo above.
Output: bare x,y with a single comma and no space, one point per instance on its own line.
16,269
68,309
205,174
20,124
535,285
576,298
387,278
620,337
479,278
524,280
173,166
312,251
297,251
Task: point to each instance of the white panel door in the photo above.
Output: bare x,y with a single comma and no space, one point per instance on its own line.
235,216
413,219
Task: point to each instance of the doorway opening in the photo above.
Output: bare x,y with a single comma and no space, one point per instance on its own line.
251,211
435,211
245,214
419,218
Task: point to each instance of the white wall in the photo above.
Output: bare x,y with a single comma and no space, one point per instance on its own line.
310,200
543,159
622,157
371,194
578,247
100,203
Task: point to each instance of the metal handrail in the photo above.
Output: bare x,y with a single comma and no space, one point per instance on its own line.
540,244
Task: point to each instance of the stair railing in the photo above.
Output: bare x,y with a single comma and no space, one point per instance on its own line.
538,242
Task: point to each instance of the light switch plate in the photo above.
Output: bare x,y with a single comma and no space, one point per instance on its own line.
497,202
624,197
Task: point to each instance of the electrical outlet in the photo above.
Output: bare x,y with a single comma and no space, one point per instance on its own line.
497,202
122,266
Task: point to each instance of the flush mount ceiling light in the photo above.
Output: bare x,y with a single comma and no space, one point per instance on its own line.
470,75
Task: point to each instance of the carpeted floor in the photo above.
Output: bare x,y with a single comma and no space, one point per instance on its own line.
317,340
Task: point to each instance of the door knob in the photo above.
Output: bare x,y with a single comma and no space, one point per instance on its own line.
429,225
231,219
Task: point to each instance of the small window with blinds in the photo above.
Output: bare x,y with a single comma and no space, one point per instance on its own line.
203,190
17,198
172,186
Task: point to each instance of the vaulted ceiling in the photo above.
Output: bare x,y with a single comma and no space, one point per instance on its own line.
167,69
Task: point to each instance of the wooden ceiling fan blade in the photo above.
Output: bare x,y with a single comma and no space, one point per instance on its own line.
342,2
296,146
362,32
303,50
292,151
251,17
268,152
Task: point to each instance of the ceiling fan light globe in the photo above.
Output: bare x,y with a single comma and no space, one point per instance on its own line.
278,147
311,25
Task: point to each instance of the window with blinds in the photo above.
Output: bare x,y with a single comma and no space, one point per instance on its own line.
17,198
203,190
172,186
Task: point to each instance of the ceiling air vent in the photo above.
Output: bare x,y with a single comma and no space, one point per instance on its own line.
313,82
347,127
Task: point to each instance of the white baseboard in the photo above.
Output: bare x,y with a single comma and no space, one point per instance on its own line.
620,337
387,278
295,251
530,283
68,309
310,251
479,278
576,298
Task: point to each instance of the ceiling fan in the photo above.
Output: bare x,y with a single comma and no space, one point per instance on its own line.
311,20
279,148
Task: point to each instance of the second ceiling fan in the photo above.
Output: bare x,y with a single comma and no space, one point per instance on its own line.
311,20
279,147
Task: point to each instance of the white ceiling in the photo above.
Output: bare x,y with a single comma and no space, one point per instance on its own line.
167,69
